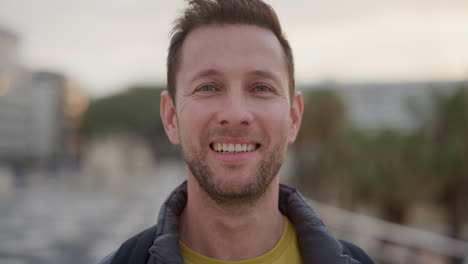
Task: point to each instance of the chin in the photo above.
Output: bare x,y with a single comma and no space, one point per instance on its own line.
233,179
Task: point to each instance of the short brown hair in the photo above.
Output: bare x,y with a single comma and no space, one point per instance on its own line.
212,12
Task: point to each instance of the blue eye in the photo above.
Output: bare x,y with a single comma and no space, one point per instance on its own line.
262,88
207,88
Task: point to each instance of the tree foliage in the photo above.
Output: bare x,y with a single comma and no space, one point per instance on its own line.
321,130
449,142
134,111
382,168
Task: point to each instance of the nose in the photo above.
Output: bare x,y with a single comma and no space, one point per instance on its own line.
235,111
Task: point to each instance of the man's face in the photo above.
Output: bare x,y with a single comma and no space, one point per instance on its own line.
233,115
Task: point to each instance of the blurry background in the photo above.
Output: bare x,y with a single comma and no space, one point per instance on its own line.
382,154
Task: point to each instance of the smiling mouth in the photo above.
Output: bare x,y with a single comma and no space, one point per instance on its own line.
233,148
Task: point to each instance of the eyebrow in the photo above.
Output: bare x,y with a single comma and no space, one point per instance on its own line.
213,72
205,73
264,74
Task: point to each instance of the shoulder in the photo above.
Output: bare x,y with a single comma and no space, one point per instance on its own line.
135,246
356,252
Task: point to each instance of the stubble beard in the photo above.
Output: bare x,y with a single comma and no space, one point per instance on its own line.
259,182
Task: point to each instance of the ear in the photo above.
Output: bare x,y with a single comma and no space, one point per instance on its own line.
297,108
169,117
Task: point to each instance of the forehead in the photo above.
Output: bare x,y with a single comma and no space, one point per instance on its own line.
231,49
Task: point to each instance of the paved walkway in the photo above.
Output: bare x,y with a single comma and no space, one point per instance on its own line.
49,223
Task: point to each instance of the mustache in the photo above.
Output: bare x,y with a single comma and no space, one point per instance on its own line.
234,132
231,132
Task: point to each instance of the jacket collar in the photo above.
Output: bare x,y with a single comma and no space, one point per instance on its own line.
317,244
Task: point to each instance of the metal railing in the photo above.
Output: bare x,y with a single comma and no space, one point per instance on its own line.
391,243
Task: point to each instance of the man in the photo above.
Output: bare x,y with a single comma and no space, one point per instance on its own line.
232,107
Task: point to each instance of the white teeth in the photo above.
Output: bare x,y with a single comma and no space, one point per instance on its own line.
238,148
233,148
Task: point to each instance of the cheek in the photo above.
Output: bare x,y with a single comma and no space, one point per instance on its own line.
194,119
190,126
276,121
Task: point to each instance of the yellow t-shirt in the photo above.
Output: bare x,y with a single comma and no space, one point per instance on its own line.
286,251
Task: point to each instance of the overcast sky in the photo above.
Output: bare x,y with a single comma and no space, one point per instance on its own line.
107,45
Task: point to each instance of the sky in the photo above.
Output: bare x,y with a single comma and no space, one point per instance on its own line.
108,45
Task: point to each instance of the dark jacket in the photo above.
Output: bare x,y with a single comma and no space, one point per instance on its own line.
159,244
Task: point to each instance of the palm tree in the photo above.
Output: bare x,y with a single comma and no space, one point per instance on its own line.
450,155
323,123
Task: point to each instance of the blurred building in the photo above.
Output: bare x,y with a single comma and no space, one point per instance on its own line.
37,116
8,52
402,106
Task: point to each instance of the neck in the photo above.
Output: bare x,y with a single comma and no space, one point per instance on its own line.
234,233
